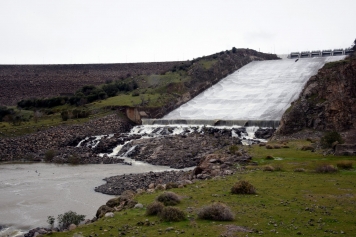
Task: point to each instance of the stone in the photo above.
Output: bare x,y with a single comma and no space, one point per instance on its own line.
138,206
151,186
109,214
103,210
113,202
72,227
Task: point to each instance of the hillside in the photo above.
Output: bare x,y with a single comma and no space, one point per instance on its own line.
28,81
327,102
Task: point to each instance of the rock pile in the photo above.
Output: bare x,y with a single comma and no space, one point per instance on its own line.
61,139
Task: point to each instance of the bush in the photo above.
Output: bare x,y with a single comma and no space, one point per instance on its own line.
243,187
269,158
216,212
49,155
154,208
172,214
70,217
307,148
268,146
169,198
233,149
74,159
268,168
171,185
346,165
325,169
329,138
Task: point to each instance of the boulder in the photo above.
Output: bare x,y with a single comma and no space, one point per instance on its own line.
345,149
103,210
113,202
109,214
138,206
72,227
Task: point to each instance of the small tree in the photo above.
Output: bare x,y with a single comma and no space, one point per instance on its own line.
50,221
49,155
68,218
329,138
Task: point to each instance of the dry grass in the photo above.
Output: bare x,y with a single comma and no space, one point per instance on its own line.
217,212
243,187
154,208
172,214
326,169
346,165
169,198
268,168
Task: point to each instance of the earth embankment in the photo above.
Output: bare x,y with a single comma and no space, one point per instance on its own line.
19,82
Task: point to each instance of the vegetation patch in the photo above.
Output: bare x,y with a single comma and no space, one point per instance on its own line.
243,187
154,208
331,138
346,165
217,212
325,168
172,214
169,198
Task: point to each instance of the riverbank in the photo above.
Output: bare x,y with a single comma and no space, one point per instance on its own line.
292,198
62,140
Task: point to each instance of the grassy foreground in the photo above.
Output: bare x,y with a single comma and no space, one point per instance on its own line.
287,203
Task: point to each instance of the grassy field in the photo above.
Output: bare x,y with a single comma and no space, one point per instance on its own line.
287,203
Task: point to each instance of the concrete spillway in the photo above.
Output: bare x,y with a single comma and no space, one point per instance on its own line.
260,91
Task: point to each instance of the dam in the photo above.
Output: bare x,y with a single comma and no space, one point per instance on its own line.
255,95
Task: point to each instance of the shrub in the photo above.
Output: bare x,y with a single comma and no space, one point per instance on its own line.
49,155
171,185
172,214
154,208
307,148
74,159
299,170
329,138
70,217
50,221
268,146
269,158
268,168
233,149
278,167
326,169
243,187
277,146
217,212
169,198
344,165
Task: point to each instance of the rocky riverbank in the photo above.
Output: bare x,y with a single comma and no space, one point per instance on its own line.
62,140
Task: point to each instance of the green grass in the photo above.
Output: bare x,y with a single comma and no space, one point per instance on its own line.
286,202
207,64
44,122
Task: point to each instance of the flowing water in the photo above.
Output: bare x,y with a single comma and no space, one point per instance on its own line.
31,192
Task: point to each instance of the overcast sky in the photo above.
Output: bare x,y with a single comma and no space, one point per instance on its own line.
108,31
